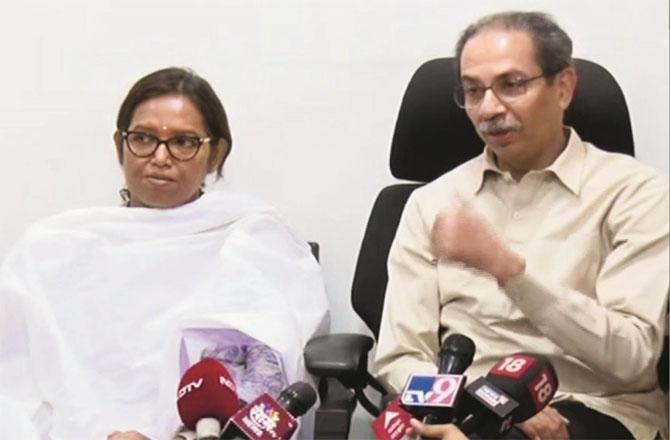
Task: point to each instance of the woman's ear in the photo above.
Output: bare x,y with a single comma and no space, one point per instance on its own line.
216,154
118,141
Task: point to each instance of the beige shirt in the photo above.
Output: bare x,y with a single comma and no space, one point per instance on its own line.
593,228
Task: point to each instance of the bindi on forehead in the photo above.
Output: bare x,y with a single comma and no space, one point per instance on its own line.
169,114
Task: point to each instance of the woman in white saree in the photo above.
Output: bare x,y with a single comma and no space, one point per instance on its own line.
101,309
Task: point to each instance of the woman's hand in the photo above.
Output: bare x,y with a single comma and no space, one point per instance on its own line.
443,432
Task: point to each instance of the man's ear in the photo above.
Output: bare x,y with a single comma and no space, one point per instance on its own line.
118,141
566,82
216,154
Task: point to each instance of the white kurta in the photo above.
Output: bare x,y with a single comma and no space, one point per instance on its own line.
94,304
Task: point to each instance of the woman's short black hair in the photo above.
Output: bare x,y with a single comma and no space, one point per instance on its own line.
181,81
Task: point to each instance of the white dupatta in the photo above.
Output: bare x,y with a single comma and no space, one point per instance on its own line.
93,303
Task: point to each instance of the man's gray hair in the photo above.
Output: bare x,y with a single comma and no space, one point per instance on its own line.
553,47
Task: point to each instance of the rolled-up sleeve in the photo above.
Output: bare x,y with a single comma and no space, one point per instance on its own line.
619,331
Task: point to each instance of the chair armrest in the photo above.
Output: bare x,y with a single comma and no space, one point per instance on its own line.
342,356
337,359
333,416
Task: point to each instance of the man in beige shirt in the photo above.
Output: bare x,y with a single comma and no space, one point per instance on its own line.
543,243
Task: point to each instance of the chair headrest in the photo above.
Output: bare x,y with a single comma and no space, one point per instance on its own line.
433,135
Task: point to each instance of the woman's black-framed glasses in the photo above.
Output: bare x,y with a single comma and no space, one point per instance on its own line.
180,147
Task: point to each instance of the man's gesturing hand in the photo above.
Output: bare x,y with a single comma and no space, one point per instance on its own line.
463,235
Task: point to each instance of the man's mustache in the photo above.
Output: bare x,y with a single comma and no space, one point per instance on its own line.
498,125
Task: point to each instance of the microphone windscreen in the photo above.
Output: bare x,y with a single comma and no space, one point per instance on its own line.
456,354
206,390
528,378
297,398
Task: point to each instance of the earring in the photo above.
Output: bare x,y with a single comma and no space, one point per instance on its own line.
125,196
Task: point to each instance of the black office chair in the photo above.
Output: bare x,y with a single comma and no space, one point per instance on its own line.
432,136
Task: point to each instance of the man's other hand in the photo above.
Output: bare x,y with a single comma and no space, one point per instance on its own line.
547,424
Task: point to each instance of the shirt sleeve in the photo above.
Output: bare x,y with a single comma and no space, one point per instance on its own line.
408,339
619,331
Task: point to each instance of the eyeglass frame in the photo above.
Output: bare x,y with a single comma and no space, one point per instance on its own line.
523,83
159,141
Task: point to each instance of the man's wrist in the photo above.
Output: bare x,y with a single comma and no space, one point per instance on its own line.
509,265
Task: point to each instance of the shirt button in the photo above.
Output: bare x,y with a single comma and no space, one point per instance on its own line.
516,215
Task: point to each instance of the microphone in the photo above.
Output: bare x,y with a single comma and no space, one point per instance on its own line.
515,389
297,398
206,398
266,418
392,423
434,397
486,409
529,378
456,354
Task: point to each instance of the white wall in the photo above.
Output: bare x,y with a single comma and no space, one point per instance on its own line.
312,90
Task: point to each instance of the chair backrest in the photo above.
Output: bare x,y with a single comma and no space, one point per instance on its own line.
433,135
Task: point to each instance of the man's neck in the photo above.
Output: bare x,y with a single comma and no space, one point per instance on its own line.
549,154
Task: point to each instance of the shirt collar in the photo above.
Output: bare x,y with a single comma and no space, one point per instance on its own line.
567,167
487,161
